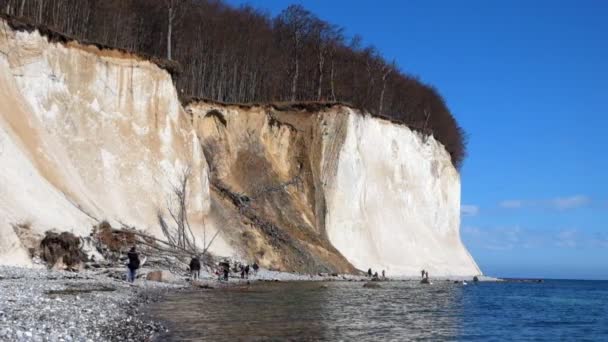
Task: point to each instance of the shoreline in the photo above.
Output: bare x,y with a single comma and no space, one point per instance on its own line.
37,304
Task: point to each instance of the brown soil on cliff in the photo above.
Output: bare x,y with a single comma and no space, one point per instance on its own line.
266,169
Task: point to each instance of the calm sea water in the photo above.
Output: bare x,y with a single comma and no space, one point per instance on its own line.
550,311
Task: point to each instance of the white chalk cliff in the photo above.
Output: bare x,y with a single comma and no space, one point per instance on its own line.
89,135
394,203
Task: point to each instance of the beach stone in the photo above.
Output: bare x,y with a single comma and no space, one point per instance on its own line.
161,276
371,285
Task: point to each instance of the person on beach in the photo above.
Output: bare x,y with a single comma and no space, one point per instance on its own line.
195,267
383,274
375,277
242,272
427,275
226,271
247,271
133,265
255,267
369,272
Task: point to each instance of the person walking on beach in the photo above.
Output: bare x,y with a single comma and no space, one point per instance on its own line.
247,271
369,273
133,265
242,272
195,267
255,267
226,271
383,274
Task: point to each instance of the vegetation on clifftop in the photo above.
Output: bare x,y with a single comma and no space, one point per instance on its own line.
243,55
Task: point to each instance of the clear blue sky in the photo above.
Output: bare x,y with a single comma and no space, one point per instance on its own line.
528,80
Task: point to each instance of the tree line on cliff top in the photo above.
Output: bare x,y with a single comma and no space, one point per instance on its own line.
243,55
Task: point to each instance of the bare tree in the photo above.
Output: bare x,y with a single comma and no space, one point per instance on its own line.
179,234
295,21
177,206
173,8
386,71
22,8
40,7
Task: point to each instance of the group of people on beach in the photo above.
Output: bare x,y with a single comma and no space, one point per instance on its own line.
375,276
223,270
134,264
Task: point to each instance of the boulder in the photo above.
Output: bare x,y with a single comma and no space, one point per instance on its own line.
161,276
62,251
371,285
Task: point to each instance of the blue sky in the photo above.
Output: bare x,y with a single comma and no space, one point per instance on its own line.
528,80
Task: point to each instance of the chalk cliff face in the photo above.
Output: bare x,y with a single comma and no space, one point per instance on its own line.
89,134
394,202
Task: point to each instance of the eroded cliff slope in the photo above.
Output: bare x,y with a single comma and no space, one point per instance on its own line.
89,135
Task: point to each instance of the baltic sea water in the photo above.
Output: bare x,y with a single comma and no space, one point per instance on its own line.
555,310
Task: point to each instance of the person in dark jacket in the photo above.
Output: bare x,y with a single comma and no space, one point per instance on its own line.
369,273
195,267
247,271
133,265
226,272
256,267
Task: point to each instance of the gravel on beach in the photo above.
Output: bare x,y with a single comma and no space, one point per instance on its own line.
41,305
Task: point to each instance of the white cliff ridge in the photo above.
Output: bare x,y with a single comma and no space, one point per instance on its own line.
89,135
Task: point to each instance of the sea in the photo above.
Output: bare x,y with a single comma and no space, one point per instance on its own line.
552,310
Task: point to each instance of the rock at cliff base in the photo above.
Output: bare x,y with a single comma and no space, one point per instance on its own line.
161,276
371,285
62,250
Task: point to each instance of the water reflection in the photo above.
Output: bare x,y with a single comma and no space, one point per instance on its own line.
315,311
